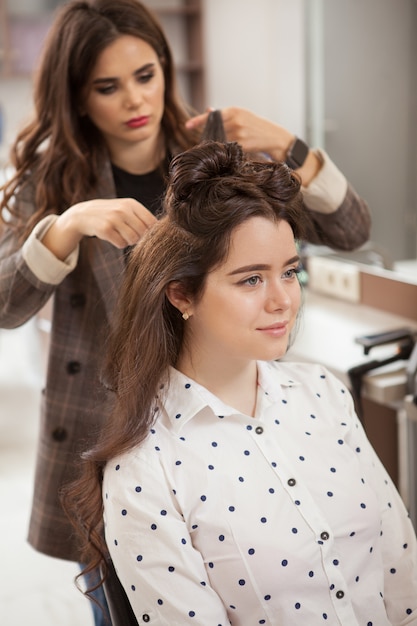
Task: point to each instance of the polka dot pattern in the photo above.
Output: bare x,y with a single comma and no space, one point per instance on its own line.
222,518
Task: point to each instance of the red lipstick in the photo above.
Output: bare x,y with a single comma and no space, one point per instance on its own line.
138,122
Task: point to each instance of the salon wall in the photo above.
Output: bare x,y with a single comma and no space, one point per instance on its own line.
255,58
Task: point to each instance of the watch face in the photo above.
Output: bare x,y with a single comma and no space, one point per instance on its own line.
297,155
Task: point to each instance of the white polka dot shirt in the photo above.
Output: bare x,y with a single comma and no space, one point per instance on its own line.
284,518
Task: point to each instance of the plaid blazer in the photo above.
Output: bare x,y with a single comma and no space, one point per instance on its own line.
74,404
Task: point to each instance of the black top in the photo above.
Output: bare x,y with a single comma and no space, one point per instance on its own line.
148,188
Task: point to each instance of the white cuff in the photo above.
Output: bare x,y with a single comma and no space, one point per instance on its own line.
327,190
41,261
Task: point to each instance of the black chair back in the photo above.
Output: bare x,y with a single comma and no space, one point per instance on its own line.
120,609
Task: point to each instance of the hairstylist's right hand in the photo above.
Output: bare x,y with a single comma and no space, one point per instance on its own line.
120,221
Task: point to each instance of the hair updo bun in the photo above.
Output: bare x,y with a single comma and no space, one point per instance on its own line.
191,171
213,186
200,184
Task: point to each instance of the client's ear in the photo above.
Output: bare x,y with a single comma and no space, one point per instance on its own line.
177,296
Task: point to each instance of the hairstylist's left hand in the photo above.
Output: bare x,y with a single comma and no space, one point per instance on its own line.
257,134
254,133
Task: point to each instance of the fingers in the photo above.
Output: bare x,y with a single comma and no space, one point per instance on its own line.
121,234
143,214
198,121
120,221
252,132
123,225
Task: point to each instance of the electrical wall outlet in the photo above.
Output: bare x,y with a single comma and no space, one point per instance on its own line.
334,278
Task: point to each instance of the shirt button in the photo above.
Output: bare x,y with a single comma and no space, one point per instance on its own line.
291,482
259,430
340,595
59,434
73,367
146,617
324,535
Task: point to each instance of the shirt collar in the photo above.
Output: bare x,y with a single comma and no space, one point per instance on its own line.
272,378
185,398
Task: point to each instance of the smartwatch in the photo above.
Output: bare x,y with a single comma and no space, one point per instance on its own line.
297,154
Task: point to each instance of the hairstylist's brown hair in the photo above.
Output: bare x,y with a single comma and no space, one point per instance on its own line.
60,143
212,190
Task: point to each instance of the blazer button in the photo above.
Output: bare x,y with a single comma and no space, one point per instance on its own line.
324,535
146,617
59,434
291,482
77,300
340,595
73,367
259,430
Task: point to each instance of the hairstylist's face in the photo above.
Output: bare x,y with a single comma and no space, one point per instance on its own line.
250,302
125,97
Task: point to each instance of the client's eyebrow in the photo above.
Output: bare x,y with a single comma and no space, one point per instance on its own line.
257,267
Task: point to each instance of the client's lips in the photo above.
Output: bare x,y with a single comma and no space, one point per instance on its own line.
276,330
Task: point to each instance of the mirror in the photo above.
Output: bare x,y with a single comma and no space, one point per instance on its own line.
362,108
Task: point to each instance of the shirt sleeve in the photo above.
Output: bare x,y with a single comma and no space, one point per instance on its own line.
338,216
41,261
152,549
327,190
398,539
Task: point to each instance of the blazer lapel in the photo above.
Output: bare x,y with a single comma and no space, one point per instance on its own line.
107,261
108,265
